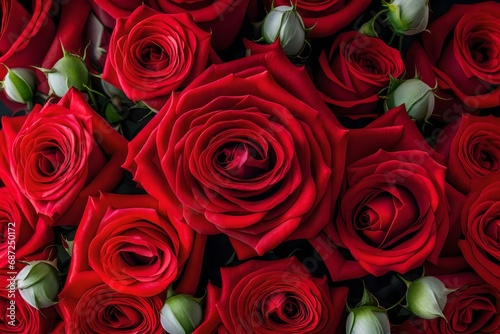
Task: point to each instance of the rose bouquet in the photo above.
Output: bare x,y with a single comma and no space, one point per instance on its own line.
250,166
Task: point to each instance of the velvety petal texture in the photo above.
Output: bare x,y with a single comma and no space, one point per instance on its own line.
24,235
393,213
25,36
278,297
152,54
130,244
392,216
103,310
481,229
249,150
355,70
462,54
222,17
471,146
60,154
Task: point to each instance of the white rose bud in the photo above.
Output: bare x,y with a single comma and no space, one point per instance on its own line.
69,71
367,320
19,85
408,17
181,314
417,97
38,283
285,23
426,297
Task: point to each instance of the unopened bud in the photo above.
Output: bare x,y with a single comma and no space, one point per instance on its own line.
181,314
417,97
408,17
368,29
426,297
285,23
69,71
19,85
38,283
367,320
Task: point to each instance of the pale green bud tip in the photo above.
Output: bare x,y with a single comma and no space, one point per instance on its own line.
367,320
68,245
285,23
417,97
408,17
69,71
368,29
19,85
181,314
38,283
426,297
368,299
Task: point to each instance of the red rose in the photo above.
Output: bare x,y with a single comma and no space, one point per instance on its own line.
152,54
17,315
471,309
480,225
59,155
24,234
89,306
461,53
278,297
25,36
326,17
354,72
393,213
249,150
130,244
223,18
472,147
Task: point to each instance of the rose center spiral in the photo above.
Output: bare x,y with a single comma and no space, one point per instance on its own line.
480,51
242,160
386,218
135,259
492,232
122,317
485,159
154,57
49,161
281,307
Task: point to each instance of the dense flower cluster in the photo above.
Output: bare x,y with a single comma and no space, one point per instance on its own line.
177,166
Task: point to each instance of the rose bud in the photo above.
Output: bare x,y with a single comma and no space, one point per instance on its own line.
417,97
69,71
38,283
284,22
19,85
367,320
67,245
368,29
426,297
181,313
408,17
